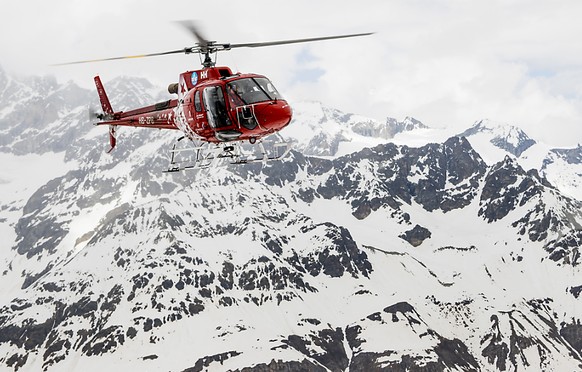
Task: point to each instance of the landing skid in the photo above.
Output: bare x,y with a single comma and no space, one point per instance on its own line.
187,155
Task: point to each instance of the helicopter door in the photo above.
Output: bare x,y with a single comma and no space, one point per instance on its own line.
215,107
201,121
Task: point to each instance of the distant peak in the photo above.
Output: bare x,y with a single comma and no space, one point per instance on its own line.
571,156
407,125
505,136
417,123
488,125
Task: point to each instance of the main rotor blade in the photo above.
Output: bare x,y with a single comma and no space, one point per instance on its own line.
205,46
294,41
185,50
192,27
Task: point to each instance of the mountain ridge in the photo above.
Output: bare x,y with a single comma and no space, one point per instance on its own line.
388,257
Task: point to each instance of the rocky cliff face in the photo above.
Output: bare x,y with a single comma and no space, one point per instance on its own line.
389,258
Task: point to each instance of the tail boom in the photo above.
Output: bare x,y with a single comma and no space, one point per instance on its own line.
161,115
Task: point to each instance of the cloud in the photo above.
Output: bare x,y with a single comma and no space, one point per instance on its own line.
445,62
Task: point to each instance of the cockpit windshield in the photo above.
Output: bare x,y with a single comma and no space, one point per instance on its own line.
251,90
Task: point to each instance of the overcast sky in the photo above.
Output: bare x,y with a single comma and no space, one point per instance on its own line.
444,62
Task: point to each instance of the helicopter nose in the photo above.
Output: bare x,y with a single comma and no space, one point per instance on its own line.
275,116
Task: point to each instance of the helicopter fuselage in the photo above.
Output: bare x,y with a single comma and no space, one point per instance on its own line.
213,105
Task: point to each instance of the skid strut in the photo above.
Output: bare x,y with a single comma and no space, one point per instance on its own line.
187,155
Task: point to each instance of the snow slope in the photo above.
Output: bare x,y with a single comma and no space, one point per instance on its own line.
419,256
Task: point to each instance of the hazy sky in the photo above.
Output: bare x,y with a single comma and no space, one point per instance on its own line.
444,62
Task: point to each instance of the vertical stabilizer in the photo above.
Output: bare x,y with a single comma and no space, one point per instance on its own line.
107,111
105,104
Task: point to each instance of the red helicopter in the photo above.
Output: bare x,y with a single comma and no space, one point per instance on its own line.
215,109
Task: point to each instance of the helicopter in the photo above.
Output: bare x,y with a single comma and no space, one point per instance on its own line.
216,109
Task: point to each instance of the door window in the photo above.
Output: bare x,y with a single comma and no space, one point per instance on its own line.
197,102
215,107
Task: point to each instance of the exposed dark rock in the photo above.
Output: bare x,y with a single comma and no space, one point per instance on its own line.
416,236
352,333
283,366
575,291
195,308
571,156
226,278
29,336
401,307
53,352
131,332
38,236
517,150
499,195
341,255
247,280
113,298
16,361
565,248
504,347
32,278
572,333
455,353
105,341
312,321
333,356
453,163
368,361
447,354
375,316
203,363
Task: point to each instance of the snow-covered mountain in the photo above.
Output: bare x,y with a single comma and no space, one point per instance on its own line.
508,138
389,257
322,131
495,140
563,167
